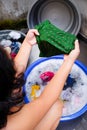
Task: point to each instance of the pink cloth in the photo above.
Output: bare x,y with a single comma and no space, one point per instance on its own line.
13,55
47,76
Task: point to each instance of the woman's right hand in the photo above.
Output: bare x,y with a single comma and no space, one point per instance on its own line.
31,37
73,55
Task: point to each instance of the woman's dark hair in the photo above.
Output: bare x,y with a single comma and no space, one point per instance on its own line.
8,83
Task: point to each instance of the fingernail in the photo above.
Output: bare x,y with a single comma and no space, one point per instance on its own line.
76,40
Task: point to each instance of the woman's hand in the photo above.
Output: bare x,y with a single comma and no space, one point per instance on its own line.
22,57
31,36
74,53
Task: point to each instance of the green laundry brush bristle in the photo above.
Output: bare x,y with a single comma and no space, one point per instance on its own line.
52,40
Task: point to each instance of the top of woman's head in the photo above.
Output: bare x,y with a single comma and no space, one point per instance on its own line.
8,83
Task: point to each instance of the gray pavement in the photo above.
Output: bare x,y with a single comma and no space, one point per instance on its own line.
76,124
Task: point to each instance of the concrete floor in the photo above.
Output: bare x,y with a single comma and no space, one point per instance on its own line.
83,53
76,124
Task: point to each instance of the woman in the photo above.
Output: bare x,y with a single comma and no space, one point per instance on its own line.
45,112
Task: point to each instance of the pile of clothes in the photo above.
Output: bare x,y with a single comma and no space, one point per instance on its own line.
11,42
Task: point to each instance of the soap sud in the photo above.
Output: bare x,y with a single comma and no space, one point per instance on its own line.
14,35
5,43
75,98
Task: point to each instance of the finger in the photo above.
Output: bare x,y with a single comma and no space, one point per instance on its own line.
77,48
76,44
35,31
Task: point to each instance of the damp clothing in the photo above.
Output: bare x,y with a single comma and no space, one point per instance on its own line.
52,40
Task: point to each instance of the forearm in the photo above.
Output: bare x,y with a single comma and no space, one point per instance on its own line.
53,90
22,57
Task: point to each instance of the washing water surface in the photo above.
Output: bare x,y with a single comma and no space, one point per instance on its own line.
74,94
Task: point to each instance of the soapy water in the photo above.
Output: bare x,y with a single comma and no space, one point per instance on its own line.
74,96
